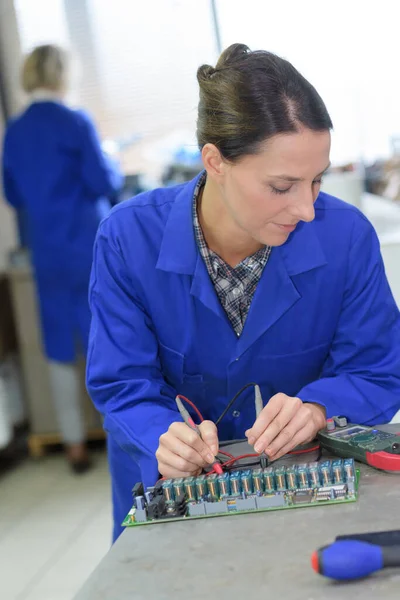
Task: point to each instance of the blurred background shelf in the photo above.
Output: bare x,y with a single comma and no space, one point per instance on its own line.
43,428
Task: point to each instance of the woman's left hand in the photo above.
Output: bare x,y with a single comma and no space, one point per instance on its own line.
284,423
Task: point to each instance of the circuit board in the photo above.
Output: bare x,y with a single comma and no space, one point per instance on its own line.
245,491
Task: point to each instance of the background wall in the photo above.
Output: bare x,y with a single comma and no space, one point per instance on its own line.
139,61
10,54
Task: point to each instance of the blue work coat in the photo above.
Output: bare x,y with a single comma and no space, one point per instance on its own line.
322,326
55,171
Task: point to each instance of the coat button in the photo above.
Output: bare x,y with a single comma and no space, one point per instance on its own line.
236,413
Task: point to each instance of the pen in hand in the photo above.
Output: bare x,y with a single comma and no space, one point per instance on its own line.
190,423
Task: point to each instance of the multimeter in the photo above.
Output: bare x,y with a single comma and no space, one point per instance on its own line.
377,446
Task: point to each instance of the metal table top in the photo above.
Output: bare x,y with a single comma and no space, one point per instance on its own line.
249,556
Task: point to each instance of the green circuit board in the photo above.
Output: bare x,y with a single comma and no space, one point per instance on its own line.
245,491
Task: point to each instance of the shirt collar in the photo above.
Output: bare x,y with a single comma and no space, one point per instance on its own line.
257,259
44,95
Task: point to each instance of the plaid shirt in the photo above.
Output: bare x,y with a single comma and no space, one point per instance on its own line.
235,287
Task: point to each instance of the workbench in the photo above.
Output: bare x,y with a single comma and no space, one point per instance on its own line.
265,555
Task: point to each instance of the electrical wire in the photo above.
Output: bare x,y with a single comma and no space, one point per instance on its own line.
233,459
226,409
230,462
305,450
232,402
196,410
228,454
243,456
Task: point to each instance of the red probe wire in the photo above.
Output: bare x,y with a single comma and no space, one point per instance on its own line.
196,410
305,450
228,454
233,459
236,458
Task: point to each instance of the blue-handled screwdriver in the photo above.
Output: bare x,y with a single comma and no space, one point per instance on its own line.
353,559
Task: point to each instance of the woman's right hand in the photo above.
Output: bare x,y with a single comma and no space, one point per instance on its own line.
181,452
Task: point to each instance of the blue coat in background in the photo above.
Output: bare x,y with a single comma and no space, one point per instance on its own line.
55,171
323,326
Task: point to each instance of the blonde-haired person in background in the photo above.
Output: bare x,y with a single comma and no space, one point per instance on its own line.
54,169
46,68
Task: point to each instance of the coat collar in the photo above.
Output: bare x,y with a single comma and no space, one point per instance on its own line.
276,292
179,253
42,95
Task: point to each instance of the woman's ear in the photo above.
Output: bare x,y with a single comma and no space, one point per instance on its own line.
213,162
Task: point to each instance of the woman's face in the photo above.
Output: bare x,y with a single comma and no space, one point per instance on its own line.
269,193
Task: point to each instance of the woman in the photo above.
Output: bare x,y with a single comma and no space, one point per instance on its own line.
54,170
247,273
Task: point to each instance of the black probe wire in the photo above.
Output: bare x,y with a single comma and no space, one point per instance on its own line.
223,455
232,402
229,406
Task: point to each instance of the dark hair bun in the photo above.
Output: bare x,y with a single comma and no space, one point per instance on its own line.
231,55
251,96
204,73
